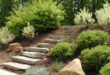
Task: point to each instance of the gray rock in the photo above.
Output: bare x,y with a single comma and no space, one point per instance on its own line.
5,72
58,37
51,41
36,49
45,45
16,66
32,54
26,60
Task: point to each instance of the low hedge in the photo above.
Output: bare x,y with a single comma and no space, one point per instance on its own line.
95,58
62,51
105,70
92,38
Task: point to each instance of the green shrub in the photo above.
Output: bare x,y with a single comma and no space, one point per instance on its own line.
42,14
92,38
83,17
103,15
29,31
57,65
61,51
105,70
5,35
95,58
37,71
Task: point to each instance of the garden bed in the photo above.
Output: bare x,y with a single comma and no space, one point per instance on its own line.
74,31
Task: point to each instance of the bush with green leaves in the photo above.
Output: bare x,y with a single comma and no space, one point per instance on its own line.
61,51
95,58
92,38
42,14
5,35
57,65
37,71
105,70
103,15
29,31
83,17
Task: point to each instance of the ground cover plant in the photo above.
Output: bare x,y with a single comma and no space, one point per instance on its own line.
37,71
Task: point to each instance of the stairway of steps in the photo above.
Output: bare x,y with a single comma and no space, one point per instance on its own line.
30,56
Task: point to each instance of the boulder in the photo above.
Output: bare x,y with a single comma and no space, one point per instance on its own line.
73,68
15,47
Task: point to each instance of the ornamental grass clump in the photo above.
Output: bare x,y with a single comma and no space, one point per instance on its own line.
103,15
29,31
5,35
83,17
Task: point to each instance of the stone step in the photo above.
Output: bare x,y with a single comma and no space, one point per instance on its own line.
16,66
25,60
45,45
51,41
58,37
5,72
32,54
36,49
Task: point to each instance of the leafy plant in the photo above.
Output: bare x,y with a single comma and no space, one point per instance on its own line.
28,31
61,51
102,15
105,70
57,65
43,15
95,58
83,17
5,35
92,38
37,71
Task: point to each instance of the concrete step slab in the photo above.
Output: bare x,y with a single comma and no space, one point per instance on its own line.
32,54
58,37
51,41
25,60
36,49
6,72
16,66
45,45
